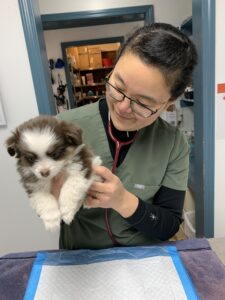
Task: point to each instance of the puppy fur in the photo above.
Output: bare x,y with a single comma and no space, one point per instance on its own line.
44,147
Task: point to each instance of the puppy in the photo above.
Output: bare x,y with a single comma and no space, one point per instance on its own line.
45,147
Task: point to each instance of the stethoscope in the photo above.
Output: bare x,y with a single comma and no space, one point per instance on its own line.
119,144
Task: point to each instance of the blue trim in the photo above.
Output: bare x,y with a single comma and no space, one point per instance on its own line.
97,17
65,45
149,15
96,13
81,257
186,26
184,277
34,276
204,116
37,56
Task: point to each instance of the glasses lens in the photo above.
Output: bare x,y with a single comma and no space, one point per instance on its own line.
140,110
137,108
114,93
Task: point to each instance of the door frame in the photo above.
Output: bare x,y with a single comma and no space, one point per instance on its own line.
33,24
204,36
204,115
98,17
34,37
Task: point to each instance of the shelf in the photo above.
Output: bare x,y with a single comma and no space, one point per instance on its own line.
89,98
187,100
96,69
90,85
93,64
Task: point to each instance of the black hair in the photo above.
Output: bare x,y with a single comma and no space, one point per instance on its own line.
167,48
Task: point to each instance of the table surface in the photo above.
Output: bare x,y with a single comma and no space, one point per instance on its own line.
204,261
218,246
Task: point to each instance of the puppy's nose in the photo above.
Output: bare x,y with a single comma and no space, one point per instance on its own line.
45,173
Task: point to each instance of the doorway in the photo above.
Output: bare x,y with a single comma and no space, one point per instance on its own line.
204,34
87,63
34,24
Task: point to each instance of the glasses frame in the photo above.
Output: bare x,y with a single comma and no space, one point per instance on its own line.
151,112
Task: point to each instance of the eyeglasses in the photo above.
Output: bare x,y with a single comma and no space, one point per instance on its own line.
137,107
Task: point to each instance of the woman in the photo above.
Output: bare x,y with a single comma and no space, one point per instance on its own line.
145,160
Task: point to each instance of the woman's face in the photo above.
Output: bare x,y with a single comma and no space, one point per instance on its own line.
140,82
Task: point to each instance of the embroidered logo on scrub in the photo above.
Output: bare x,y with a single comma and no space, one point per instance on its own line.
153,217
139,186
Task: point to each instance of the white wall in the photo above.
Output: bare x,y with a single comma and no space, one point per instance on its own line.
220,124
20,228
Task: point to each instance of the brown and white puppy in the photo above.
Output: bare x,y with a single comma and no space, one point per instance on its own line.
44,147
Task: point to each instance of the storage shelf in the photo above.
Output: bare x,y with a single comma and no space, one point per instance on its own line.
96,69
186,103
89,98
90,85
93,64
187,100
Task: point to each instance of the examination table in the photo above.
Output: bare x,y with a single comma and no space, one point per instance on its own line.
205,268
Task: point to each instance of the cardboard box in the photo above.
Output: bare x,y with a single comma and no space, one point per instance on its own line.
83,61
83,50
95,57
89,57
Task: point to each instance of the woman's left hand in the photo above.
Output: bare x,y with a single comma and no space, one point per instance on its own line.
111,193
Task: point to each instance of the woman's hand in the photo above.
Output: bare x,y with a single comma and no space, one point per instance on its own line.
111,193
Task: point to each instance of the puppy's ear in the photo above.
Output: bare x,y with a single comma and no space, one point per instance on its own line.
11,145
73,134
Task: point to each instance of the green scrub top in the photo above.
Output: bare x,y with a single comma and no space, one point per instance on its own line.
159,156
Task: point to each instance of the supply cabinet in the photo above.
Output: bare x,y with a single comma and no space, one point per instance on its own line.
89,65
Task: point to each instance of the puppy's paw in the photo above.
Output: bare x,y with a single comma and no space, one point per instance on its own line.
97,178
86,206
68,212
67,216
96,161
52,226
51,220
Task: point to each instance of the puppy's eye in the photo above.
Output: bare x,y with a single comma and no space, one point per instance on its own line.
30,158
57,153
